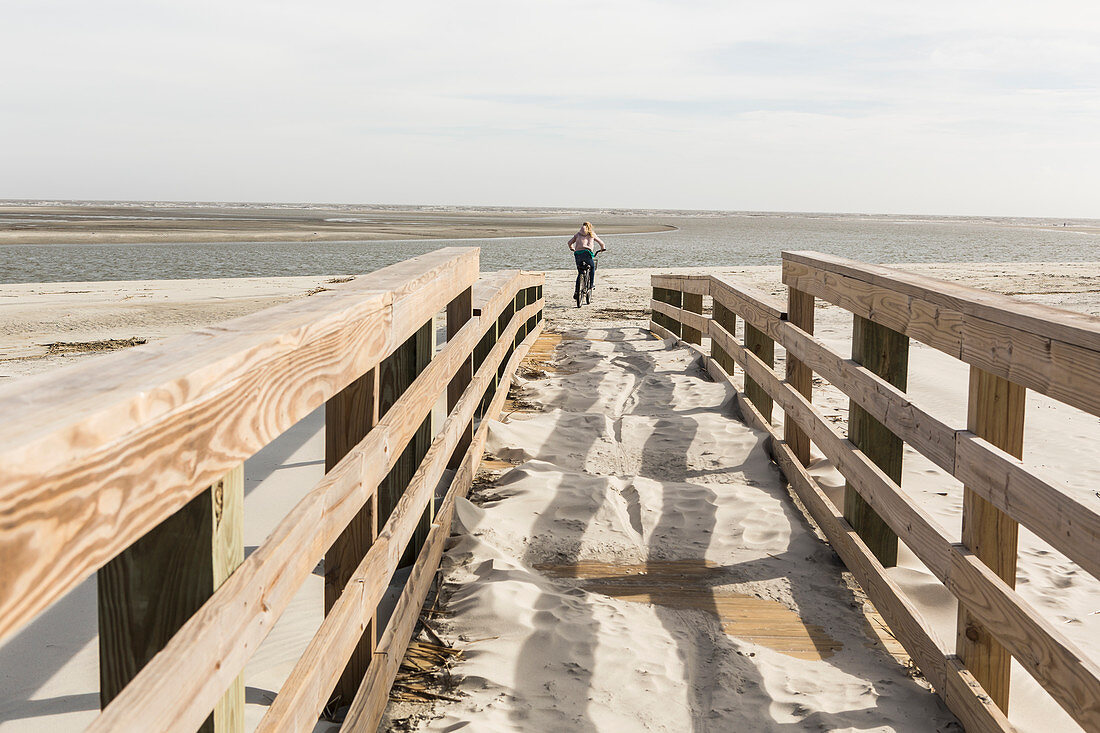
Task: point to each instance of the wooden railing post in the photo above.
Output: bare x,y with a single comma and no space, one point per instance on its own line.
760,344
521,303
725,318
672,297
459,312
694,303
397,372
484,346
349,416
149,590
532,296
886,353
995,412
502,323
800,312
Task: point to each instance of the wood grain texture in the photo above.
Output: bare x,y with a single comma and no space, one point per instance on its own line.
693,303
800,312
763,347
178,688
349,416
459,311
681,317
885,353
694,284
105,451
668,317
995,411
1068,326
882,400
749,303
727,320
1070,526
149,591
1051,351
1065,672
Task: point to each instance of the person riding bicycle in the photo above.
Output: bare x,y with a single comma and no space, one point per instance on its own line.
583,247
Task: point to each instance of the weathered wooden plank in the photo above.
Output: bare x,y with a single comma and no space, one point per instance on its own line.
1066,673
1065,371
1070,526
882,400
151,589
684,318
758,343
665,317
1068,326
747,302
694,284
985,331
459,311
396,373
349,416
725,318
800,313
995,411
885,353
693,303
103,452
179,686
941,329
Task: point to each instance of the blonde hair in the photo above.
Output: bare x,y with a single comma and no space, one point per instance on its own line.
587,227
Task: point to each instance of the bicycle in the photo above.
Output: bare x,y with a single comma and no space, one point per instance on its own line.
585,290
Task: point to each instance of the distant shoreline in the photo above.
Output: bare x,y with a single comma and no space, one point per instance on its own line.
69,224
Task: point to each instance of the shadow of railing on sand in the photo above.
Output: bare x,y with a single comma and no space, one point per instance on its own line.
707,657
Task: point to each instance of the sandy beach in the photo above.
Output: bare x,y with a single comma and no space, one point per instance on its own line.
645,485
37,223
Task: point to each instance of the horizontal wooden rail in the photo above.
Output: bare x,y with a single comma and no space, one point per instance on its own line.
1051,351
103,452
305,693
183,409
231,625
989,331
1066,672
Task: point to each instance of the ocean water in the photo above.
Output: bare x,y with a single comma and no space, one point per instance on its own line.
704,240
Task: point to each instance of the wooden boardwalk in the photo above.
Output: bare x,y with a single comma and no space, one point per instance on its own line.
128,468
1011,347
637,555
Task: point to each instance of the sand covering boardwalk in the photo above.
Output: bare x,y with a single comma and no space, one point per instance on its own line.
643,568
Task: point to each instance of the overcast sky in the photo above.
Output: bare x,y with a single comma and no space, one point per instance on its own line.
928,107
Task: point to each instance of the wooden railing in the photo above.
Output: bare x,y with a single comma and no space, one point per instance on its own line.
1011,346
131,466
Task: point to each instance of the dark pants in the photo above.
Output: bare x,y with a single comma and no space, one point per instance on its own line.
584,259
